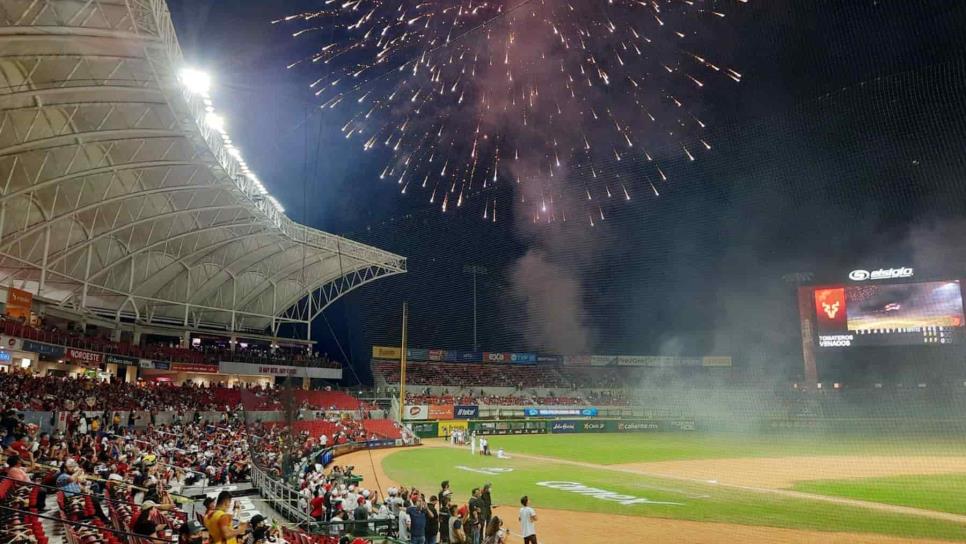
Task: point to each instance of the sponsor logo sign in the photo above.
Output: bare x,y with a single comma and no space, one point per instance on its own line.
523,358
489,432
602,360
881,274
493,357
637,426
254,369
161,365
84,356
593,426
194,367
551,359
658,360
564,427
551,412
419,411
602,494
576,360
436,355
6,357
426,429
446,428
716,361
386,352
145,363
40,348
444,411
11,343
380,443
466,411
417,354
471,356
120,360
19,303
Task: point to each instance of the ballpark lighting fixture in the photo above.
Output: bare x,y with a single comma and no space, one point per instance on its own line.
198,83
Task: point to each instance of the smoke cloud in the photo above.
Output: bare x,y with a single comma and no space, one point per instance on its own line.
553,298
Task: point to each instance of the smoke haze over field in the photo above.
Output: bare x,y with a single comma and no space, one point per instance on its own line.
553,297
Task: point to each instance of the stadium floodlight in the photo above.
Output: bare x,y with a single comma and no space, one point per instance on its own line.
275,202
215,121
196,81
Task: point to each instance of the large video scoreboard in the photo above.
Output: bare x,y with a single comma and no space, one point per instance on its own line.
885,307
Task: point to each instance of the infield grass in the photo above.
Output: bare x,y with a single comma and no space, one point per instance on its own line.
608,449
944,492
426,467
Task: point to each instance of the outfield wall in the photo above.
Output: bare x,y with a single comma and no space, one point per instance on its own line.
430,429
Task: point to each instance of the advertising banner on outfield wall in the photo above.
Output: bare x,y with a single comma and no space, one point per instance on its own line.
592,426
428,429
444,411
466,411
576,360
417,411
602,360
564,426
470,356
637,426
446,428
549,359
386,352
716,361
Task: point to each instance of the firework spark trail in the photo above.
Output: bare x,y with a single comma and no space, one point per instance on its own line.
467,95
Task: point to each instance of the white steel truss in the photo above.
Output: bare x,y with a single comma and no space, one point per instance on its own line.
117,199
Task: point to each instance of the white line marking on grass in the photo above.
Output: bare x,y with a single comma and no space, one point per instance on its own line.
493,471
602,494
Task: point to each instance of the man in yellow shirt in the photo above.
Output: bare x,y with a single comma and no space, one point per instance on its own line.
219,522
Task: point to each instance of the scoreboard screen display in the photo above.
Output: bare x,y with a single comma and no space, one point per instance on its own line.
889,314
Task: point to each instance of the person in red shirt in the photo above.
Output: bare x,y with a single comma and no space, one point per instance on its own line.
317,505
21,447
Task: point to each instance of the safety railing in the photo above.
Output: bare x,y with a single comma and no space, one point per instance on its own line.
283,498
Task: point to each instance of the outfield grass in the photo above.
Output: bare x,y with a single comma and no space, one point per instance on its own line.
609,449
425,467
944,492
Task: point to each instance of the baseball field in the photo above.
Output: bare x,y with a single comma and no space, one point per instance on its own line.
696,487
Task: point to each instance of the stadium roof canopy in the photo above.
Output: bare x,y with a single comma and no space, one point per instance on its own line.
122,196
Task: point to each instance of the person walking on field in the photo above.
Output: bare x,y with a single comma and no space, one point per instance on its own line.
528,518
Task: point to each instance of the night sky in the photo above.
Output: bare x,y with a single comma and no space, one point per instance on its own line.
842,148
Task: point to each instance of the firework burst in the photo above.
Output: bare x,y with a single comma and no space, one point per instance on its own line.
548,97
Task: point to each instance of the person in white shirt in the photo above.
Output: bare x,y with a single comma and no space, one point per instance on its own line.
527,519
403,526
